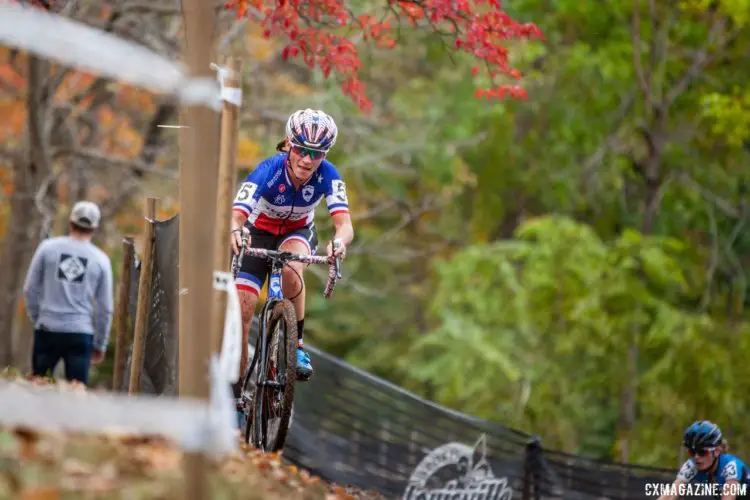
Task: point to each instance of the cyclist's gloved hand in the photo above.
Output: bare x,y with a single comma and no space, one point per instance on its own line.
340,250
236,239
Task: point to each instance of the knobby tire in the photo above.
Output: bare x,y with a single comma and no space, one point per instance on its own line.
248,384
281,315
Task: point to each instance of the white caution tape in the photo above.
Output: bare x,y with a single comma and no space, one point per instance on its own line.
225,369
222,415
73,43
231,345
192,424
232,95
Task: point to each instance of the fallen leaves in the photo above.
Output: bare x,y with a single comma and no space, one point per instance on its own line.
41,493
46,465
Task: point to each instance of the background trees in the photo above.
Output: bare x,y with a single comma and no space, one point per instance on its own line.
583,252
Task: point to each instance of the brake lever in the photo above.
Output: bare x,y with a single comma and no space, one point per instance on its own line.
237,259
336,245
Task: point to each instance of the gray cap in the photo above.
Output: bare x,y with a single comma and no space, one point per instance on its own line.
85,214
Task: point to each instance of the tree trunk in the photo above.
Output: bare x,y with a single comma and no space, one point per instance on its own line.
420,271
628,399
650,172
24,218
23,333
17,244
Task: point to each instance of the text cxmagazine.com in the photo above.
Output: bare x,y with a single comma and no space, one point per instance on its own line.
699,490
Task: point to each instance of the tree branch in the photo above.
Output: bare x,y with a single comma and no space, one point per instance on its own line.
99,159
41,200
593,161
700,62
376,159
155,6
660,50
635,35
152,142
233,32
321,273
714,262
724,205
10,154
374,211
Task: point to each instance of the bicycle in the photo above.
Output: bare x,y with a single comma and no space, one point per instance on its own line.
274,387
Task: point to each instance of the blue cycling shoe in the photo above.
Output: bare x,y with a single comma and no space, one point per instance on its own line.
304,366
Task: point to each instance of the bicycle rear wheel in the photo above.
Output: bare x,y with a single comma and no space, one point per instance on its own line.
277,372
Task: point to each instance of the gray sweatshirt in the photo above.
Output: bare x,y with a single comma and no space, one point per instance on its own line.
66,276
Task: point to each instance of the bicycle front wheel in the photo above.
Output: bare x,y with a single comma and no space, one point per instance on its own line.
274,394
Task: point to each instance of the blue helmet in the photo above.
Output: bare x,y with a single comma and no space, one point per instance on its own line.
311,128
702,434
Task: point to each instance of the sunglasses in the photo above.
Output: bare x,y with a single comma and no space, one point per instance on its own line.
700,452
312,153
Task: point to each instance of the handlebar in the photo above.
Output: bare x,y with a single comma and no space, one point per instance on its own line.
334,263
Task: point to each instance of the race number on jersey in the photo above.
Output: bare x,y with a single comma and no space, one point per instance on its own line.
338,189
688,471
246,192
730,471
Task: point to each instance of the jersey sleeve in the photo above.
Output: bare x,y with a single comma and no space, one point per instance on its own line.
32,287
251,189
688,471
336,194
104,306
731,470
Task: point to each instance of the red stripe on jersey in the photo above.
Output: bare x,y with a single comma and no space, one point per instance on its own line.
278,226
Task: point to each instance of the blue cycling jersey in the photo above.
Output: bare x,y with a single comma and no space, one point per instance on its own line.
270,202
729,468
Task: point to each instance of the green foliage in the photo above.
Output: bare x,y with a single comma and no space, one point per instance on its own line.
729,115
545,320
500,265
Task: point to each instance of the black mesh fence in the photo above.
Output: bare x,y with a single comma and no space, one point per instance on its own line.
353,428
160,357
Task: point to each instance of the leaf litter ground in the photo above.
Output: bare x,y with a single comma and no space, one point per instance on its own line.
52,465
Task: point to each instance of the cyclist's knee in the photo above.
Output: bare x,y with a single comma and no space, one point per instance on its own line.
293,274
295,244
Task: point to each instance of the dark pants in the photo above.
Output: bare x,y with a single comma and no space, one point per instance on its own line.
73,348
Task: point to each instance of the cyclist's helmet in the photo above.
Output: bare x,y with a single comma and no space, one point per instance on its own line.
702,434
311,128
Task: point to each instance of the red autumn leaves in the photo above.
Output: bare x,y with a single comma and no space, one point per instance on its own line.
477,27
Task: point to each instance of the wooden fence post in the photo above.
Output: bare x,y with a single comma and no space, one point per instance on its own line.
227,170
123,313
198,188
144,299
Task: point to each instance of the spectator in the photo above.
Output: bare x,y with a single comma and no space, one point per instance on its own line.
67,274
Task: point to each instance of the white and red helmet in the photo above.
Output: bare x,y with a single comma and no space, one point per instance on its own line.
311,128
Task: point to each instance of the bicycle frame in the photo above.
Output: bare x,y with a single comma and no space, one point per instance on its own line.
275,294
